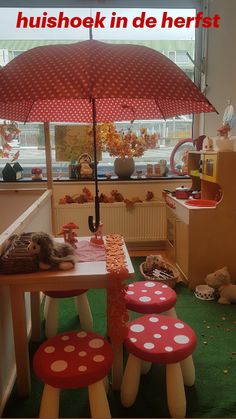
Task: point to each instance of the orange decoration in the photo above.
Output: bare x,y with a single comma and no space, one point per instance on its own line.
116,265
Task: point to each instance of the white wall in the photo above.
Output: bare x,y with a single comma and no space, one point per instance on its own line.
221,62
36,217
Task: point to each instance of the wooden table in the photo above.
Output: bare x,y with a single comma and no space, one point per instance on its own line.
85,275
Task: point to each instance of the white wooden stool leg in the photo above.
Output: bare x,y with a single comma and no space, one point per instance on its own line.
46,303
51,324
49,407
99,406
188,371
175,391
171,313
85,315
145,367
130,382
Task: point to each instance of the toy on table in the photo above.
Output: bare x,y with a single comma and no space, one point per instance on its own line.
220,280
68,233
97,238
36,173
50,254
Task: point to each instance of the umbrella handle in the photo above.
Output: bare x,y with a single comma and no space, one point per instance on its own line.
93,225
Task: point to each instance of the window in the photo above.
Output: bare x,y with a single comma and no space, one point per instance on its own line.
31,139
179,57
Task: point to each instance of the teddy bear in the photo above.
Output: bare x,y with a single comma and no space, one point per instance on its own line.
220,280
51,254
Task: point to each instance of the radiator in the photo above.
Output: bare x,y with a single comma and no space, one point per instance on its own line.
146,221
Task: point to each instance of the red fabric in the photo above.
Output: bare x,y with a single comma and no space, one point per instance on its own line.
73,359
149,297
160,339
56,82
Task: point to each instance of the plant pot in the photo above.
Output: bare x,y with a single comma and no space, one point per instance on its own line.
124,167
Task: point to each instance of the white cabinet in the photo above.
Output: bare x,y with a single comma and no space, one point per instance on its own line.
182,246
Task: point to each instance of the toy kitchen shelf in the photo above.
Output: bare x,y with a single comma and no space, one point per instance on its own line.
203,239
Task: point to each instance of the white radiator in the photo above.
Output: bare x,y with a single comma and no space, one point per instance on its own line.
146,221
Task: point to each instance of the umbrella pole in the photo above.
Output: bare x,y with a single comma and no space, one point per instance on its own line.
93,225
49,171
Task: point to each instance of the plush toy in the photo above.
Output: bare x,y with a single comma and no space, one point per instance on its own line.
220,280
51,255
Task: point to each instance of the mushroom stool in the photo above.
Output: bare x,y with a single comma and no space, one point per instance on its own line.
74,360
163,340
51,310
148,297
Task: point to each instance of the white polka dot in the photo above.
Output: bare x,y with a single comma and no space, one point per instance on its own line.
164,327
144,299
154,319
82,353
133,340
137,328
98,358
162,298
65,337
81,334
58,366
144,291
82,368
69,348
179,325
158,292
131,285
96,343
182,339
149,284
168,349
130,292
149,345
157,335
164,286
49,349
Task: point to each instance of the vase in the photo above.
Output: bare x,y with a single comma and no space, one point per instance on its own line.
124,167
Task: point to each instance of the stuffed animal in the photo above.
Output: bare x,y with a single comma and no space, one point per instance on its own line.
220,280
51,255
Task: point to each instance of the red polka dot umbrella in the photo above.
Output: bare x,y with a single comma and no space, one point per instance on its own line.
92,81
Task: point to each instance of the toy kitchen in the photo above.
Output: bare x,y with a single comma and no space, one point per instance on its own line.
201,226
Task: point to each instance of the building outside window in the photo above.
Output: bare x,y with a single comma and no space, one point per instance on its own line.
31,139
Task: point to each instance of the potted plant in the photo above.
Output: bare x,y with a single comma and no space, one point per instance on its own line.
125,146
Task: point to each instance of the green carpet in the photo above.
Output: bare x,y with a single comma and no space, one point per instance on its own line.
215,361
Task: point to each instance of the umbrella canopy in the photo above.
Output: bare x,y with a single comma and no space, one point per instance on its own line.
57,83
92,81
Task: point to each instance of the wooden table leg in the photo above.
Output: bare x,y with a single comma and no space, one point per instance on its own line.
117,367
35,316
20,340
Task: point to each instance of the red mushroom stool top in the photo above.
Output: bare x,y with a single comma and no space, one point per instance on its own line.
73,359
160,339
149,297
64,294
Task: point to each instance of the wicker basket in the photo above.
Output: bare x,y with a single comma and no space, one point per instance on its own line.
171,282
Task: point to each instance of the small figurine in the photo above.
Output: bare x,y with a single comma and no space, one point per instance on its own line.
68,233
85,166
97,238
50,254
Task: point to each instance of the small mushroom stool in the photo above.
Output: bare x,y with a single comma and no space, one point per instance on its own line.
148,297
51,310
163,340
73,360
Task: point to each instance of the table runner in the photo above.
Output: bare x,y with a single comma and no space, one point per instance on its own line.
117,314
